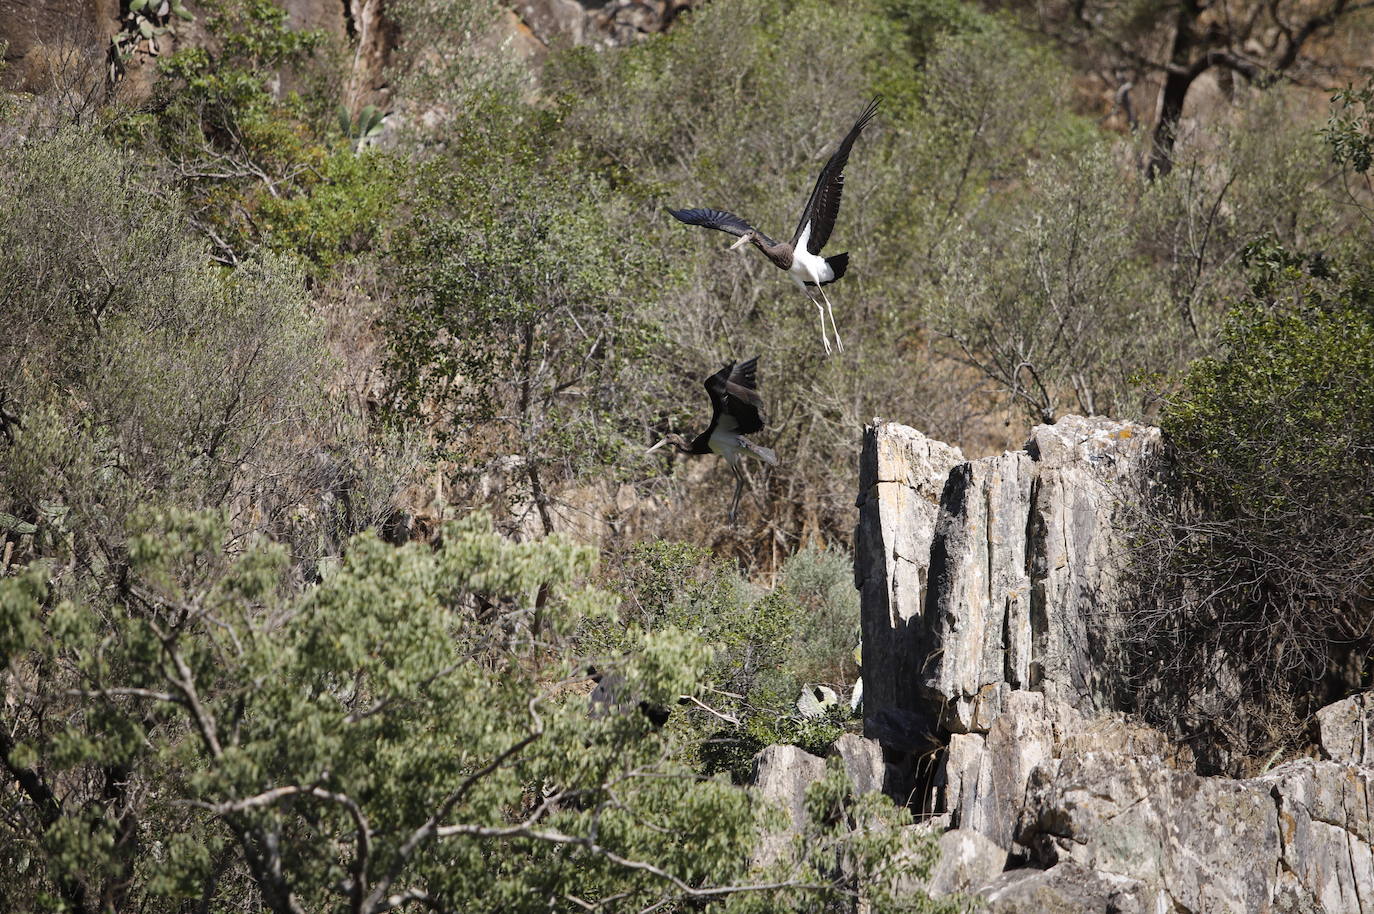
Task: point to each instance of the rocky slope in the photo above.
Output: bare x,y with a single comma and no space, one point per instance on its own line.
992,596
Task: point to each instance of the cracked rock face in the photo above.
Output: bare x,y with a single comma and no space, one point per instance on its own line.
991,596
901,477
1296,838
983,577
1347,730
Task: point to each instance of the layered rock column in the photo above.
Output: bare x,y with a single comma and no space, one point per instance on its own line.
979,578
901,476
992,597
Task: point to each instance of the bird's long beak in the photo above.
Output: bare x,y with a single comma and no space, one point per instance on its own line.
657,446
744,239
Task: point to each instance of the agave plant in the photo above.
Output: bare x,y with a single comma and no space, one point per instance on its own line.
366,127
147,20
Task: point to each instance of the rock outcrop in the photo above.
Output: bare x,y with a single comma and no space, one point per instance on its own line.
992,597
783,773
1297,838
66,45
597,22
979,578
1347,730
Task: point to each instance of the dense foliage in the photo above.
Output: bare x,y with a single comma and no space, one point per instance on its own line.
1260,604
407,731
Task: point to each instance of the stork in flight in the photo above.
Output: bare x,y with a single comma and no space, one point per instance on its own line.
801,257
735,406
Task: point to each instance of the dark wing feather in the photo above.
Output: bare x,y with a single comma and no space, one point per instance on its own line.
743,383
824,204
733,394
713,219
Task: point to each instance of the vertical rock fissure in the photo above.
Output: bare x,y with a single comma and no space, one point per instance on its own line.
1035,577
1350,839
1037,743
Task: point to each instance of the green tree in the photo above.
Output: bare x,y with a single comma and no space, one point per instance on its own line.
1258,563
402,734
525,331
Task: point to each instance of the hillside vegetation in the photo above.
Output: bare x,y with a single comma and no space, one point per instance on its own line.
323,480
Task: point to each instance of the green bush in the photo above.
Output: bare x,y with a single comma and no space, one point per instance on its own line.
255,166
527,320
1262,599
767,644
141,373
404,729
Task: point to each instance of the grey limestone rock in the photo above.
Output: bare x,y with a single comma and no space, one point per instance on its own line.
901,476
985,774
991,595
863,762
1297,838
968,861
781,776
984,577
1347,729
1068,888
1326,831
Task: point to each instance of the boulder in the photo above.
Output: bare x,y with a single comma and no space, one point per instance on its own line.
1211,844
1086,471
1326,830
968,861
781,776
863,762
1069,888
1347,730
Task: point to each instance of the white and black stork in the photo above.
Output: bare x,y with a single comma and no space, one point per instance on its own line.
735,406
801,257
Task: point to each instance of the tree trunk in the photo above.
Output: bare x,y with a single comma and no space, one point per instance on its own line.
1177,81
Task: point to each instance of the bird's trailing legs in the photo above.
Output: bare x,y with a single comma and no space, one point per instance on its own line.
739,490
821,311
839,344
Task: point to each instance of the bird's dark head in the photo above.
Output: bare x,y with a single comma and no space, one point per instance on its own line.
672,438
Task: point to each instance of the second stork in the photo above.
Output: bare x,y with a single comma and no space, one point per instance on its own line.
735,406
801,257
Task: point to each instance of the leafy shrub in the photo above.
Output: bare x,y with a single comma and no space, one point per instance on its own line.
402,729
141,373
766,644
258,167
1262,606
524,328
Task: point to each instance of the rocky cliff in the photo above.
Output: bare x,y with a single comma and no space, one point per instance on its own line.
992,597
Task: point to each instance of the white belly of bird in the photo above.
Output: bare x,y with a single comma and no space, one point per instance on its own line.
808,267
726,444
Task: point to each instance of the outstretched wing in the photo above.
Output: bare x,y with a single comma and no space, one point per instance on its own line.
713,219
719,220
735,402
824,204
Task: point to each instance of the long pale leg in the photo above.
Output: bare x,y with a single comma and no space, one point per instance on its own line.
821,311
838,344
